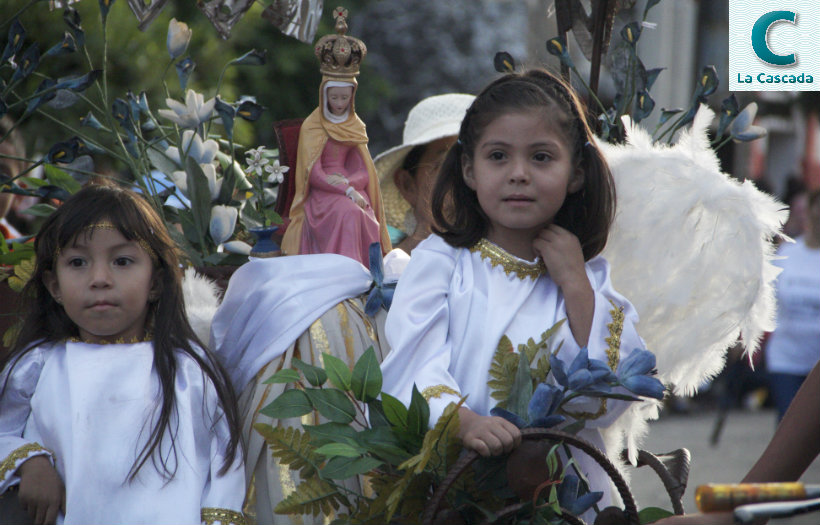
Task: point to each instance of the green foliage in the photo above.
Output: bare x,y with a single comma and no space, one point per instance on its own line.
366,382
313,496
652,514
291,447
504,368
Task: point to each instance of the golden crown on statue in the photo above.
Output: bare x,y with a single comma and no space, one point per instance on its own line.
340,55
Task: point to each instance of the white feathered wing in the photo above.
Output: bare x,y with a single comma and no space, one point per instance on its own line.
691,249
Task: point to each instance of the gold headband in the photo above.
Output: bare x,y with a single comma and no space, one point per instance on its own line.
108,225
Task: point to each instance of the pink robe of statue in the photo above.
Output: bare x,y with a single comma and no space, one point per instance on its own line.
333,222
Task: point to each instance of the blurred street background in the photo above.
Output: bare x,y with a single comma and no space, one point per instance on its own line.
746,432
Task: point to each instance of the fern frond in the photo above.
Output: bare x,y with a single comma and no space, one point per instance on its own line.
502,371
291,447
313,496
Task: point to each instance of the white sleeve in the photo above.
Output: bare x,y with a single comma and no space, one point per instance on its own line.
17,384
604,327
224,494
417,329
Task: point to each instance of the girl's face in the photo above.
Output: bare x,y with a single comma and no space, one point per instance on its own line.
103,281
521,171
338,99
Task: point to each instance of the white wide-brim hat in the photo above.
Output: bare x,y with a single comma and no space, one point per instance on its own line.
431,119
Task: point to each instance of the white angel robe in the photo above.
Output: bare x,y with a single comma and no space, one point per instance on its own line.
89,408
453,305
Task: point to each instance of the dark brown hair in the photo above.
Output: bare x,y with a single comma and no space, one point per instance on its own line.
587,213
45,321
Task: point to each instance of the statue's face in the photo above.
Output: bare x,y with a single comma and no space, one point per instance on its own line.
338,99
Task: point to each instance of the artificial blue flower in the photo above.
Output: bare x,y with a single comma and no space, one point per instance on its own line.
569,499
583,373
381,293
742,129
634,373
544,401
515,419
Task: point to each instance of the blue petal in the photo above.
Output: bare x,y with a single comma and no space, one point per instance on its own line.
558,372
582,504
542,403
580,380
374,301
387,295
515,419
638,362
568,490
581,361
376,269
644,386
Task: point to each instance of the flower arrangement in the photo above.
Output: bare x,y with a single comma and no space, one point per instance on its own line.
372,434
176,156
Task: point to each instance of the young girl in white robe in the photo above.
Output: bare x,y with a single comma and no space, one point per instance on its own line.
523,201
111,411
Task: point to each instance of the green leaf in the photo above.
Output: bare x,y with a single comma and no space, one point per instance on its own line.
331,433
200,197
338,371
376,415
394,410
315,375
40,210
343,468
20,252
521,389
332,404
418,416
366,382
652,514
290,403
340,449
61,179
287,375
383,443
33,182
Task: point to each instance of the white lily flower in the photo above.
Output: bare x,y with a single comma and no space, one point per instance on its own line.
203,152
178,37
194,112
742,129
239,247
180,180
277,172
223,222
214,182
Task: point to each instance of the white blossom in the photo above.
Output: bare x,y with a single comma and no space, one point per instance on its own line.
194,112
178,37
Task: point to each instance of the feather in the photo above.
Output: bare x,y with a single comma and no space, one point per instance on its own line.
202,298
692,250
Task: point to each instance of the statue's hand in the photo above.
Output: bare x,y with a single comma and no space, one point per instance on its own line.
336,179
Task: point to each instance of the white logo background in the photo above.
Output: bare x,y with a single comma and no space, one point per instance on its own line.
784,38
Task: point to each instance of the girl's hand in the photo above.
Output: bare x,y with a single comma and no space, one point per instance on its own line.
336,179
487,435
42,492
358,199
564,258
562,254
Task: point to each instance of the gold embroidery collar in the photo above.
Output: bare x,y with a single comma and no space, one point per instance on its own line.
511,264
147,338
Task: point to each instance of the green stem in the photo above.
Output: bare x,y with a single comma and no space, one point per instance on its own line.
722,143
593,95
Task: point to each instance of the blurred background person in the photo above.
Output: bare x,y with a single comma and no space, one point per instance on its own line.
794,346
408,172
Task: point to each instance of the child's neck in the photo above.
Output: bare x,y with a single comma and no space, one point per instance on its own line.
518,245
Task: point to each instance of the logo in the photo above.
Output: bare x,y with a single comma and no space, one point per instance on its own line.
761,45
773,45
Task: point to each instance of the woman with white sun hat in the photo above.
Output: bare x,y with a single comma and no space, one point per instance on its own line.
408,172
